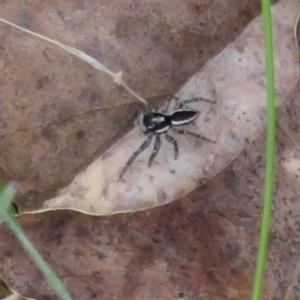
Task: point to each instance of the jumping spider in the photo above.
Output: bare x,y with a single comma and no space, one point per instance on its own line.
159,122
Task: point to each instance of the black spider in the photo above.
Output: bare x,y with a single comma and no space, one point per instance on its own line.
157,123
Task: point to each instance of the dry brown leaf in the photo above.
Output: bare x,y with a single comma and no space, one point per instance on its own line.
58,113
203,246
7,294
235,80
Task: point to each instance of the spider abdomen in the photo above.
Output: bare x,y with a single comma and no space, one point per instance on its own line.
183,116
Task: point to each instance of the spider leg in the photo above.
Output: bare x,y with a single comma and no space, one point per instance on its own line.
165,107
152,108
155,150
173,141
193,134
197,99
143,146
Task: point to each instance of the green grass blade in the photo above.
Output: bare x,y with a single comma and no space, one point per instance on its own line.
7,194
6,197
270,153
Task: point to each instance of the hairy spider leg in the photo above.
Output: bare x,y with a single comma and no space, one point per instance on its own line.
152,108
165,107
156,148
184,102
143,146
173,141
193,134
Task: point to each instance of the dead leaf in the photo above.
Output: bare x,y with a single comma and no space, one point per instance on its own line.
235,80
7,294
202,246
57,113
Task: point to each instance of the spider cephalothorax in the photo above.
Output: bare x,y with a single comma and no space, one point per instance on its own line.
157,123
